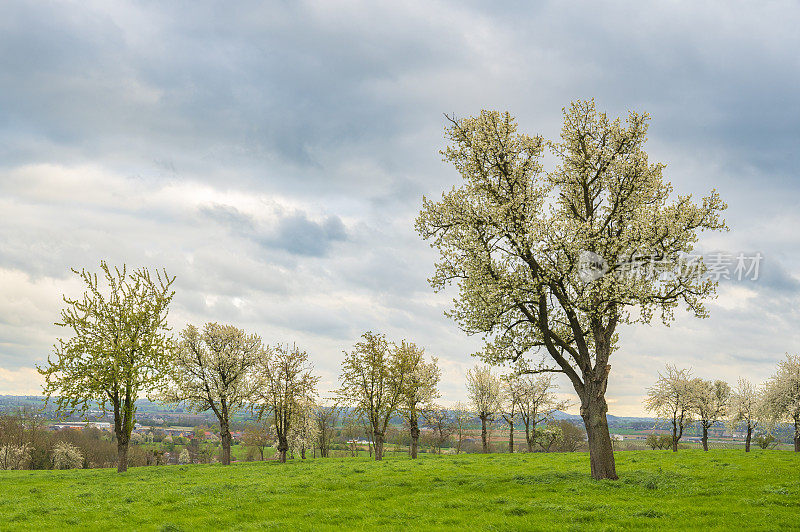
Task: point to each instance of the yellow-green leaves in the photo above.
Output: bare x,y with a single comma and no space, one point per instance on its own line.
119,341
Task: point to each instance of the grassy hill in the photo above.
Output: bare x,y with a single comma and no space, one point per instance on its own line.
722,489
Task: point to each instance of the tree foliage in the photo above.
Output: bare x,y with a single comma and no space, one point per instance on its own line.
373,382
672,399
286,387
66,456
485,394
782,395
119,346
212,370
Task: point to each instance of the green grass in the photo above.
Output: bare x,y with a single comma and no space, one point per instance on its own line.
722,489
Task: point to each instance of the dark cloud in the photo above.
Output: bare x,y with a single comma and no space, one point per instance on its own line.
297,234
293,232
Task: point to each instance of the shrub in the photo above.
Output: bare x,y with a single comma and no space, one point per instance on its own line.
15,456
66,456
659,441
183,458
766,441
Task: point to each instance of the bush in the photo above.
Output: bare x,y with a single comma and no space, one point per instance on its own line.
766,441
659,441
15,456
66,456
183,458
573,436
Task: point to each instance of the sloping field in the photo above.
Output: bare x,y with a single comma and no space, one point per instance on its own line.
723,489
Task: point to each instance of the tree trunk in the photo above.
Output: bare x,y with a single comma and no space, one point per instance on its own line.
122,455
378,445
529,436
226,443
747,441
511,437
705,437
484,439
283,446
414,436
797,434
303,452
674,438
601,453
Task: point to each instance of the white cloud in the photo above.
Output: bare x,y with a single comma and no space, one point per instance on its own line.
222,143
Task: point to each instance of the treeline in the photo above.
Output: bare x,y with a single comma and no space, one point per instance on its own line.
120,347
27,443
681,400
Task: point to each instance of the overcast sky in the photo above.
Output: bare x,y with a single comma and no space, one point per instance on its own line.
274,155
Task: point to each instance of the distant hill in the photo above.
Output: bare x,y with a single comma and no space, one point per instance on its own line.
145,406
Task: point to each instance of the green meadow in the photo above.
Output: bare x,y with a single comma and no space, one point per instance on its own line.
720,489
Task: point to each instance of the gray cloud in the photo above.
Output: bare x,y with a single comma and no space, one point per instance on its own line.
293,232
273,156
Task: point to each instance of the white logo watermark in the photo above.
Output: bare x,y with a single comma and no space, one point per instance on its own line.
717,265
591,266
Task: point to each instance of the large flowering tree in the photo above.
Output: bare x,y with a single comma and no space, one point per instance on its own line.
555,261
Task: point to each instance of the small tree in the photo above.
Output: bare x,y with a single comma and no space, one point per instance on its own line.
212,371
351,431
572,435
373,382
325,418
536,403
509,405
119,347
765,440
548,436
66,456
258,436
653,441
747,407
462,416
439,420
303,434
420,388
671,399
285,386
183,457
484,393
782,395
710,404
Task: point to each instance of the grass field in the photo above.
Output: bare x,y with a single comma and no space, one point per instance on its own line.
722,489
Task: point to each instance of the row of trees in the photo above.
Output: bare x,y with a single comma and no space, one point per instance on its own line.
682,400
527,398
121,347
381,379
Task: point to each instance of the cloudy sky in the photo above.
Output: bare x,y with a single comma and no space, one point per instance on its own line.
274,155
